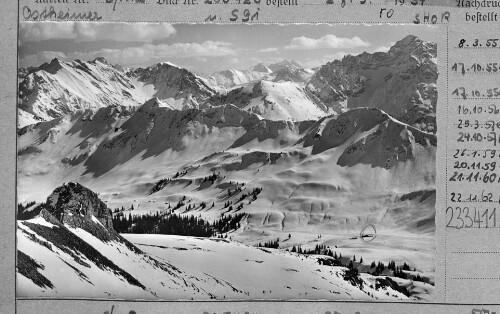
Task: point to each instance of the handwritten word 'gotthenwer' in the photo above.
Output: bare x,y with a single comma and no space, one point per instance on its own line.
49,13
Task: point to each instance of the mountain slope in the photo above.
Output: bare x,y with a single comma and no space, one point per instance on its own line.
288,71
284,64
272,100
57,88
297,75
232,77
67,249
176,86
70,239
308,170
402,82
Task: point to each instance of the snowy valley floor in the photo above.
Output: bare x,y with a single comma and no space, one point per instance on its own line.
277,274
189,268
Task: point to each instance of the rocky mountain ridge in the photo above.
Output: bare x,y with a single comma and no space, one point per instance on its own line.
402,82
58,88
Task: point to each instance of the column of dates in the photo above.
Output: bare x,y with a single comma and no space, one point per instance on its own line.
473,167
474,140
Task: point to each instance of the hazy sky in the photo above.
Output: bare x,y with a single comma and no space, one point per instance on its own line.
206,48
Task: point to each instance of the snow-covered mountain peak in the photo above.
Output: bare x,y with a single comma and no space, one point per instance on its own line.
176,86
284,64
283,100
280,71
101,60
232,77
412,48
401,82
261,67
292,74
409,43
57,88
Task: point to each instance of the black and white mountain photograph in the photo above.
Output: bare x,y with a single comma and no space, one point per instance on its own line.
226,162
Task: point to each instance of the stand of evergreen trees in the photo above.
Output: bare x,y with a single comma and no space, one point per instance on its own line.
252,195
377,268
352,276
175,224
159,185
397,271
319,249
270,244
211,178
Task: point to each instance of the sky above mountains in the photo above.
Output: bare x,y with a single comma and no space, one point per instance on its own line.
206,48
